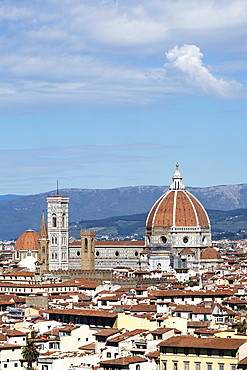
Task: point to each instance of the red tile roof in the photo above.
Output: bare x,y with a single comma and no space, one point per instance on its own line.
192,342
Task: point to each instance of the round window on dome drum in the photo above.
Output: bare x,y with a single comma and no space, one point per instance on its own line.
163,239
185,239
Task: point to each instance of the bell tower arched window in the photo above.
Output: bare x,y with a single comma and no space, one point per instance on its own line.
54,220
63,220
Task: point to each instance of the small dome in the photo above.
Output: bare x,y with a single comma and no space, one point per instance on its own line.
177,208
28,241
210,253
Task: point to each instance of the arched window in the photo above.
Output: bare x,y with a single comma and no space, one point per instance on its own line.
63,220
54,220
86,245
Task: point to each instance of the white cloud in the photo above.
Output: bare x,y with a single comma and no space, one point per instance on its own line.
74,54
188,60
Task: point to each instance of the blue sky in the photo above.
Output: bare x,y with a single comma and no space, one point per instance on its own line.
104,94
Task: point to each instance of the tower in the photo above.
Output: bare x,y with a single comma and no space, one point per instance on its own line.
43,254
58,233
88,250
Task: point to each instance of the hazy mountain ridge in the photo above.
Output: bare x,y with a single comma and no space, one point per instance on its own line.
25,212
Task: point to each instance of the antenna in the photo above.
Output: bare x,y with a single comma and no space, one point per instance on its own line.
57,187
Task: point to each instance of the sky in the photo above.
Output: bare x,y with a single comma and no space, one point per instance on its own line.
111,93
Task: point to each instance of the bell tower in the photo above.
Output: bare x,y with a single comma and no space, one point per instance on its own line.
58,231
43,255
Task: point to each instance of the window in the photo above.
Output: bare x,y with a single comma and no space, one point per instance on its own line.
86,245
63,220
221,366
186,365
186,351
15,364
233,354
175,351
44,367
138,367
164,365
54,220
233,367
219,319
108,354
175,365
209,366
198,366
197,351
221,353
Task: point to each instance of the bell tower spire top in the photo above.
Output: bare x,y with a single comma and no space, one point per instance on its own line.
177,180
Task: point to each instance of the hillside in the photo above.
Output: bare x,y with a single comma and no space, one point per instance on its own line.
229,224
25,212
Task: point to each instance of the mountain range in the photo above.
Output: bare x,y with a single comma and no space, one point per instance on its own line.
19,213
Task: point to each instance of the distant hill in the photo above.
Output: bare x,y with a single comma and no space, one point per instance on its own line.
25,212
225,224
4,198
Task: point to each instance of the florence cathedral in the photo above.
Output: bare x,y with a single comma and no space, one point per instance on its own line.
178,235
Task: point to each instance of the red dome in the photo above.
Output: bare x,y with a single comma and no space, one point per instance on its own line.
27,241
177,208
210,254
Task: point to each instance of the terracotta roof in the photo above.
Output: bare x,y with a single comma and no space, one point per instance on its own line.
106,332
179,206
19,273
161,330
210,253
154,354
141,307
89,347
126,335
82,312
15,333
120,242
124,360
192,342
27,241
187,251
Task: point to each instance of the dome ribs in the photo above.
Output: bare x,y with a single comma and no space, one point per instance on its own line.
185,215
201,213
164,213
27,241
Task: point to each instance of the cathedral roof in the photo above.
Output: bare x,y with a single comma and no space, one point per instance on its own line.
210,253
177,207
27,241
187,251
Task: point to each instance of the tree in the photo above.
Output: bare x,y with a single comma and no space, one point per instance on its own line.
30,354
